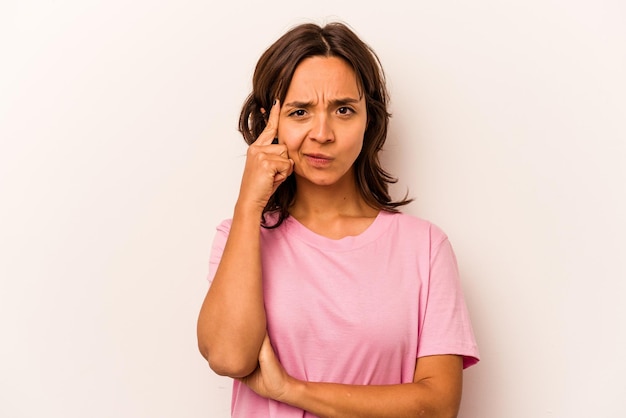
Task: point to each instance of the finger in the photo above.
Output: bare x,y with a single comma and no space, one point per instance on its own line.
266,348
271,129
282,174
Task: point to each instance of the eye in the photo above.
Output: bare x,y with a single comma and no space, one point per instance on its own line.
298,113
344,110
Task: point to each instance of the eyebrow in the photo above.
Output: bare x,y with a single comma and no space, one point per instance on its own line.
335,102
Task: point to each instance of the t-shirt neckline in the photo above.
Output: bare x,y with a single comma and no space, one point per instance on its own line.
371,233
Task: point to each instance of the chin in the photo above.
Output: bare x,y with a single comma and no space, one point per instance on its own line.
324,179
321,182
317,181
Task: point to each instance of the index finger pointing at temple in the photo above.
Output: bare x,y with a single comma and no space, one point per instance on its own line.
271,129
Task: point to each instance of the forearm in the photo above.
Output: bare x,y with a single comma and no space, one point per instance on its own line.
403,400
232,320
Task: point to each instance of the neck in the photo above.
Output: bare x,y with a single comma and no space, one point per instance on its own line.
338,200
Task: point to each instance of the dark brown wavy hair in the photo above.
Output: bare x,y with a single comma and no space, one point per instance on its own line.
271,80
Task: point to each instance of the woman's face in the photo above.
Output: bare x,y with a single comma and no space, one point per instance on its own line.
322,121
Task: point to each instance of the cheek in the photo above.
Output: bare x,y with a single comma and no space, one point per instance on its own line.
358,137
293,147
291,138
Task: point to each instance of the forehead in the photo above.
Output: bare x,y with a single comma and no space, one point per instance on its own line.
324,75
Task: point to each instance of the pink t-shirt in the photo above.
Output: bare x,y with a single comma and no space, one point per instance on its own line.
358,310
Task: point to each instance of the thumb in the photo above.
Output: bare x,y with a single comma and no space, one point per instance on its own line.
267,351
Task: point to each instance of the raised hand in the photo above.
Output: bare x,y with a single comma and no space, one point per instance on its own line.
267,165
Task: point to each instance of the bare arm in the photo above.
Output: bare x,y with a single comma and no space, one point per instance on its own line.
232,322
434,393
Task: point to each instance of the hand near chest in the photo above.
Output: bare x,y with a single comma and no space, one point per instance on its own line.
269,380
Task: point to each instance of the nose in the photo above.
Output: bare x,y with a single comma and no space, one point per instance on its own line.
321,129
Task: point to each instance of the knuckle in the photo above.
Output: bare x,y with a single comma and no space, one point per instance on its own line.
252,150
264,163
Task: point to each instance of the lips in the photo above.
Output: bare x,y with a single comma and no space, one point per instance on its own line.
318,160
318,156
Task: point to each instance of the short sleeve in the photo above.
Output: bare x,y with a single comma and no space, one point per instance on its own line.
446,327
217,248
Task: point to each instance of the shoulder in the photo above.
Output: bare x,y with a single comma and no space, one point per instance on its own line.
412,225
224,225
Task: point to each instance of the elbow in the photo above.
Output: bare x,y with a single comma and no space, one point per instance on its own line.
448,410
439,413
448,413
230,366
226,363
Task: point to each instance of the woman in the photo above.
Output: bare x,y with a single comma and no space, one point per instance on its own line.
325,299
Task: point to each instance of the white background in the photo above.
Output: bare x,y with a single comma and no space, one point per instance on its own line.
119,155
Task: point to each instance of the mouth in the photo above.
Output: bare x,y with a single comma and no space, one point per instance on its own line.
318,160
318,156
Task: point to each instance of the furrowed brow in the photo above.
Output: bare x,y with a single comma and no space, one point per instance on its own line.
300,105
335,103
344,101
